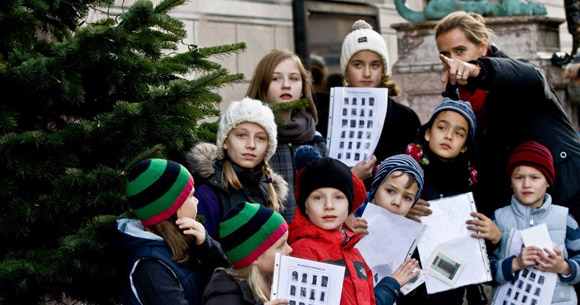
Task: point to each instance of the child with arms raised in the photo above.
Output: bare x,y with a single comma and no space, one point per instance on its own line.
236,168
251,235
531,171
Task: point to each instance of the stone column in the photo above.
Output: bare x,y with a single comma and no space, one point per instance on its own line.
418,70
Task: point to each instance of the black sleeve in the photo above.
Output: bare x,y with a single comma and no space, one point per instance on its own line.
210,256
156,285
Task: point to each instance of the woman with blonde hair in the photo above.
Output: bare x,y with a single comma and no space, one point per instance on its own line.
236,169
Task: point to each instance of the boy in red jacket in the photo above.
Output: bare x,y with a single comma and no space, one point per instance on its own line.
326,194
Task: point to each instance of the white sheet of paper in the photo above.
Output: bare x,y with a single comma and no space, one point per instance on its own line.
355,122
446,227
537,236
533,287
385,230
304,281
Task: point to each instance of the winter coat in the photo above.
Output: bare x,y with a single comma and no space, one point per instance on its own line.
151,277
563,230
282,162
521,106
336,247
224,289
214,199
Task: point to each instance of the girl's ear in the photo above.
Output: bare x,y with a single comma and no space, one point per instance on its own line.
464,149
427,135
225,145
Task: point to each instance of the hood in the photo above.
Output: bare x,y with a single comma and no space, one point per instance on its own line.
202,157
301,227
132,235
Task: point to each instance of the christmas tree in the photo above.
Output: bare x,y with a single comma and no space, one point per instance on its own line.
80,104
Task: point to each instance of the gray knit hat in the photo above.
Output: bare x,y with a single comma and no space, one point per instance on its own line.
252,111
363,38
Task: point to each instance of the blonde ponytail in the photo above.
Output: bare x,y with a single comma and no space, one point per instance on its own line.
229,177
274,201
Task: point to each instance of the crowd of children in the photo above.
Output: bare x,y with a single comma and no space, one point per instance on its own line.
267,188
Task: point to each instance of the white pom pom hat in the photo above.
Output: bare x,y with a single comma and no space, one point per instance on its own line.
363,38
252,111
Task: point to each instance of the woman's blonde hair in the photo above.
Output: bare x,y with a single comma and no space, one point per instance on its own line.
229,178
259,285
263,77
471,24
178,242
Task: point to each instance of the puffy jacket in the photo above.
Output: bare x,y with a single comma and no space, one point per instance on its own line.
563,230
336,247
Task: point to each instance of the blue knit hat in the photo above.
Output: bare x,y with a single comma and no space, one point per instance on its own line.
401,162
461,107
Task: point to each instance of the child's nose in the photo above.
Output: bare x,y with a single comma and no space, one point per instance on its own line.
250,143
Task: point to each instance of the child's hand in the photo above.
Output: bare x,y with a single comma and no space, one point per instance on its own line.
360,225
419,209
364,169
553,262
403,274
528,257
193,228
276,302
484,228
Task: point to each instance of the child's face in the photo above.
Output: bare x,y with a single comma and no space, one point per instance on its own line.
327,208
448,135
529,185
189,207
246,144
365,69
397,193
266,260
286,83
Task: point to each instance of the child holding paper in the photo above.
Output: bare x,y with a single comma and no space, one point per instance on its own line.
250,235
364,62
531,171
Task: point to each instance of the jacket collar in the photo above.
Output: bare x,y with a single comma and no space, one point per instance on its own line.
301,227
520,209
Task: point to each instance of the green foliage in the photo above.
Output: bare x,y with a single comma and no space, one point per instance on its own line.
80,106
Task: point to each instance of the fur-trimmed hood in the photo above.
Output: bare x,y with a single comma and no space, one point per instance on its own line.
202,157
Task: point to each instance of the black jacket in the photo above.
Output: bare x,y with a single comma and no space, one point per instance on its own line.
225,289
521,106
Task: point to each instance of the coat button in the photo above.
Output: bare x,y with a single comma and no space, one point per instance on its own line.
563,155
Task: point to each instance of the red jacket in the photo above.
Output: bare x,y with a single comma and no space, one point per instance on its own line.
311,242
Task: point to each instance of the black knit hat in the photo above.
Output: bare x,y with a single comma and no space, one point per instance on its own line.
325,172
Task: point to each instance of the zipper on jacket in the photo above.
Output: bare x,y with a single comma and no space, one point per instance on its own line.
531,220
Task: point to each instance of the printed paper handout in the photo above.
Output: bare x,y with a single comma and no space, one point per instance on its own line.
377,246
355,122
302,281
459,259
533,287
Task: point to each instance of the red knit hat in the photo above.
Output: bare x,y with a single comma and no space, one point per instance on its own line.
532,154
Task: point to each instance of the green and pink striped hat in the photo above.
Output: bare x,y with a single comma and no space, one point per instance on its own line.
156,189
248,230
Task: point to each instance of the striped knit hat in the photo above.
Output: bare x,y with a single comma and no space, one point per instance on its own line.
461,107
156,189
532,154
248,230
403,163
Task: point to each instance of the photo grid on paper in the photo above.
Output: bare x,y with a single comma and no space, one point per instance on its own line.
308,287
527,290
357,124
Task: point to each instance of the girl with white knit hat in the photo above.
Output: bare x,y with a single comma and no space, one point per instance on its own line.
236,168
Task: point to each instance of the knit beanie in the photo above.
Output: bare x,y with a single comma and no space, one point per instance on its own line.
461,107
363,38
403,163
532,154
325,172
252,111
156,189
248,230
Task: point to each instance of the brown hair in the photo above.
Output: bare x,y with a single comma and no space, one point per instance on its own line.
410,181
229,178
178,242
471,24
263,77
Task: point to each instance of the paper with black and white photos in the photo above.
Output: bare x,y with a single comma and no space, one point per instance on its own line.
533,287
377,246
447,230
355,122
302,281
